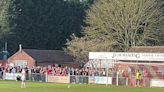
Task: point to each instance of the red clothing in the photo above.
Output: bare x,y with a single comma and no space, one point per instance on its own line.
49,71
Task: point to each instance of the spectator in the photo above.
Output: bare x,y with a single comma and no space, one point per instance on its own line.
23,77
138,78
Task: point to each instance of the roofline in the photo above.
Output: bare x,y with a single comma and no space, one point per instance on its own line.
147,46
136,63
18,53
43,50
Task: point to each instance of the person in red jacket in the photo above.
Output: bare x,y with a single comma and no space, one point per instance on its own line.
49,71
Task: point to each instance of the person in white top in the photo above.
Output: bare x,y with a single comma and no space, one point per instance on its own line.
23,78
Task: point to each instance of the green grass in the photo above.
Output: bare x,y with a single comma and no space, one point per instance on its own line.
12,86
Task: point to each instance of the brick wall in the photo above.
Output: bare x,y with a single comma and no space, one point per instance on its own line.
21,55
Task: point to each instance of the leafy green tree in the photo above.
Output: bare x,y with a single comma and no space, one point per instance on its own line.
43,24
121,24
4,6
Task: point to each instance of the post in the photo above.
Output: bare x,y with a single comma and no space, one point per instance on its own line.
4,75
117,79
46,77
69,77
126,81
107,74
100,68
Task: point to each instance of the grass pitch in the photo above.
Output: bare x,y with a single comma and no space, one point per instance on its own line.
13,86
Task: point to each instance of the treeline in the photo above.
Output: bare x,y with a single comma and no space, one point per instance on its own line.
40,24
106,25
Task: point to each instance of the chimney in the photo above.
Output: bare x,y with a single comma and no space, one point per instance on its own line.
20,47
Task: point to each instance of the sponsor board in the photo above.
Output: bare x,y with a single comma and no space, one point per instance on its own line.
11,76
127,56
100,80
58,79
157,83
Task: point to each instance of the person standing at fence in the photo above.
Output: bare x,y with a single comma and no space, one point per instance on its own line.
13,72
1,73
23,77
138,78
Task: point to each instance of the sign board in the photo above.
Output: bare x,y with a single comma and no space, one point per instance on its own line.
157,83
21,63
127,56
58,79
11,76
103,80
100,63
91,79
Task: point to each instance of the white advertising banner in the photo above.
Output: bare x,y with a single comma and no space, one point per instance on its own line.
157,83
11,76
103,80
127,56
91,79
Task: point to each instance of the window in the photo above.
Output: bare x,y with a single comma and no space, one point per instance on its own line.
21,63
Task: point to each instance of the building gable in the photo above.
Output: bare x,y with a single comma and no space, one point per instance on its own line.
20,55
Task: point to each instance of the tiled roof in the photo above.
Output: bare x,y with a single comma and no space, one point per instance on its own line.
55,56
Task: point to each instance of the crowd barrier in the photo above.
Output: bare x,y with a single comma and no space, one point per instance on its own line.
11,76
58,79
156,83
120,81
78,79
102,80
29,77
36,77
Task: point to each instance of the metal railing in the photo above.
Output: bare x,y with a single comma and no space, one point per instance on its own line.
79,79
29,77
114,79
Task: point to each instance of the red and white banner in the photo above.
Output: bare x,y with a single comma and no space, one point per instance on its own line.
58,79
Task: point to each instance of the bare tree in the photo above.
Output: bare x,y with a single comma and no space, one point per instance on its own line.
116,25
127,22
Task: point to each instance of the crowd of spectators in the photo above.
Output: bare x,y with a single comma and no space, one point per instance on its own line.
55,70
